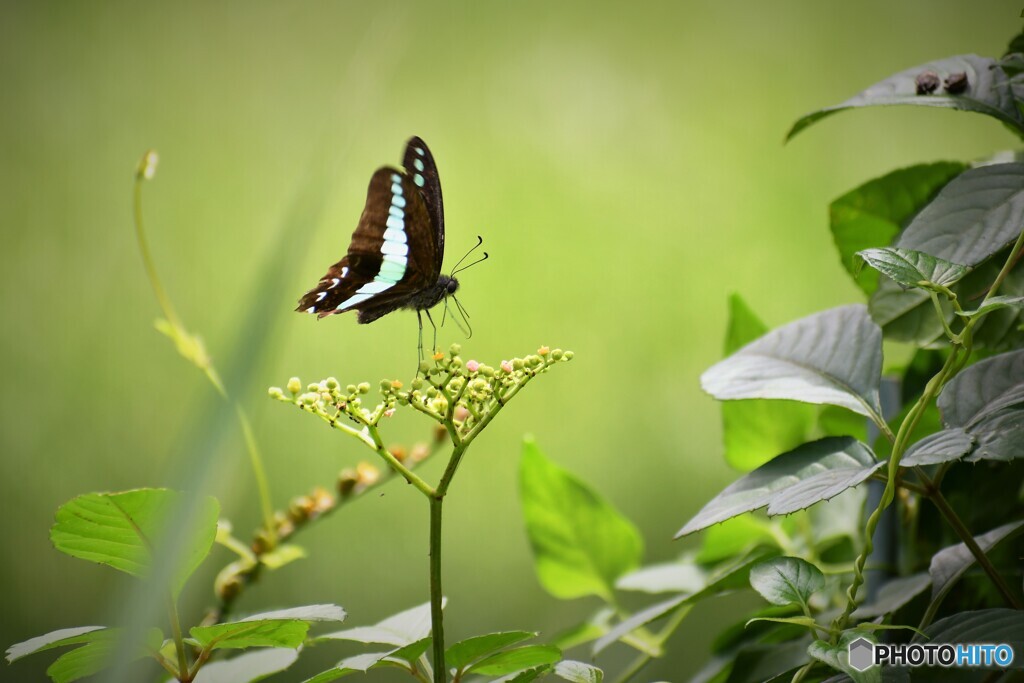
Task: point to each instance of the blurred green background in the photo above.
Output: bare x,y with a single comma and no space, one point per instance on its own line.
624,163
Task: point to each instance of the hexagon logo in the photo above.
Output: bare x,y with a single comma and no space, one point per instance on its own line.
861,654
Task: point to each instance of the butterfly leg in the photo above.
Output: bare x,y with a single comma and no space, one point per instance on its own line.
433,348
419,318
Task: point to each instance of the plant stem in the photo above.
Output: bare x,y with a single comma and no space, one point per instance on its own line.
179,642
436,595
645,658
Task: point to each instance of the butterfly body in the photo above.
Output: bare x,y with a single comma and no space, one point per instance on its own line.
394,258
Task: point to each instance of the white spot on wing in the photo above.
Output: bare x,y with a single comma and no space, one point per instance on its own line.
393,235
399,248
418,163
320,296
311,309
335,281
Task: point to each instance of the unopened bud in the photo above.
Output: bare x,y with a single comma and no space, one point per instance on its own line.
294,385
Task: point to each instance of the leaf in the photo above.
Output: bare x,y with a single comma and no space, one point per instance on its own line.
288,633
996,303
400,629
800,478
247,667
58,638
591,629
805,622
755,431
873,214
893,595
950,563
786,580
581,544
733,537
987,401
988,92
322,612
86,660
122,530
982,626
972,218
411,652
838,656
833,357
757,663
517,659
676,577
578,672
949,444
467,651
910,268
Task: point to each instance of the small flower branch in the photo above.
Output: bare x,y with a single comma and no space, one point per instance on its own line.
463,397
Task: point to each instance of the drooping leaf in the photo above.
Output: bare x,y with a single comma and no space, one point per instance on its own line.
997,625
949,444
972,218
400,629
58,638
578,672
987,401
996,303
465,652
676,577
873,214
581,544
949,564
287,633
989,91
786,580
893,595
247,667
122,530
833,357
838,656
516,659
795,480
909,268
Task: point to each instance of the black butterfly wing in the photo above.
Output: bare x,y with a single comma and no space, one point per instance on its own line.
419,165
391,257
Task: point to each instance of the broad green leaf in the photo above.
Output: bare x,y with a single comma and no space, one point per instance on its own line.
247,667
581,544
578,672
516,659
288,633
972,218
983,626
949,444
996,303
786,580
987,401
58,638
86,660
122,530
837,519
677,577
873,214
893,595
759,663
833,357
321,612
525,676
1002,328
795,480
411,652
950,563
467,651
400,629
734,537
989,91
909,268
838,656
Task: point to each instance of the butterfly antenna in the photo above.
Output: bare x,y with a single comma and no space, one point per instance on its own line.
479,241
468,329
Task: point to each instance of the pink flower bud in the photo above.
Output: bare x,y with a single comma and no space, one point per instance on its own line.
472,366
389,412
506,366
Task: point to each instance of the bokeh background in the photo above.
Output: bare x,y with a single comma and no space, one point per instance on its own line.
623,161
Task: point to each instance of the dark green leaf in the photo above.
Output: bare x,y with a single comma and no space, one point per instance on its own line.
907,315
786,580
467,651
987,401
910,268
581,544
988,92
247,667
578,672
401,629
838,656
806,475
833,357
949,444
893,595
973,217
288,633
122,530
760,662
996,303
58,638
517,659
873,214
949,564
983,626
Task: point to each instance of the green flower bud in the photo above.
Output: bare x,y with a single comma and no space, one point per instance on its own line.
425,366
332,383
315,388
569,355
517,363
456,362
417,383
487,371
557,354
294,385
431,392
275,392
350,389
455,349
385,385
309,398
364,387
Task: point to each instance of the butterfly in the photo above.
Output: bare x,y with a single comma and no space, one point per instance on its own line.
394,258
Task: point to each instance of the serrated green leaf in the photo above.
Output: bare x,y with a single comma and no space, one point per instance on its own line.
411,652
86,660
321,612
838,656
806,475
833,357
581,544
516,659
578,672
982,626
944,446
910,268
247,667
893,595
763,663
288,633
677,577
735,537
467,651
994,304
873,214
58,638
401,629
786,580
122,530
988,91
950,563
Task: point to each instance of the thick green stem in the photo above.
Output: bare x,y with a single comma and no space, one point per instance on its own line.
436,594
179,643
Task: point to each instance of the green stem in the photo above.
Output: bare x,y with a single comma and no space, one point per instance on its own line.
664,634
802,673
436,595
179,642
